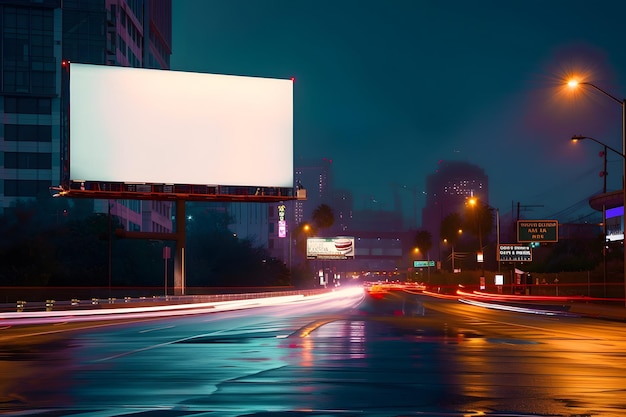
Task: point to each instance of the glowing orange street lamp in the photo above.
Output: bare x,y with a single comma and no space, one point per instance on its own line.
473,202
574,83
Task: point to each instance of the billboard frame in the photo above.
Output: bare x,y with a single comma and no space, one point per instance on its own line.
169,192
179,193
95,189
330,248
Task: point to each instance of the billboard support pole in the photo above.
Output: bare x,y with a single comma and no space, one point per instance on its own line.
179,255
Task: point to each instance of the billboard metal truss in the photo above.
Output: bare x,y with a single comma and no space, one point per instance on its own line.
165,192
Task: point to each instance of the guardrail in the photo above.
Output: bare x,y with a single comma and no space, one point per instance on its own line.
144,301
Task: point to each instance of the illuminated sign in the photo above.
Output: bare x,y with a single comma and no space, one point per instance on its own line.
537,231
282,223
615,224
330,248
423,264
514,253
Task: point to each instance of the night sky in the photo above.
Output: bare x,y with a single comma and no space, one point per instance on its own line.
388,88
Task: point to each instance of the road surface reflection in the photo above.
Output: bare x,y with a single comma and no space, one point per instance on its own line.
340,355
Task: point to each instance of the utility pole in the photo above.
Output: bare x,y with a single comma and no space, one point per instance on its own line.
523,207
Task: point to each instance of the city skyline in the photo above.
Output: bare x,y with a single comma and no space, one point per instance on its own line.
388,89
373,183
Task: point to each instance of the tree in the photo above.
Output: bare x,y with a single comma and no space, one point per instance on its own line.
569,255
478,219
217,257
300,234
323,217
451,228
423,241
31,233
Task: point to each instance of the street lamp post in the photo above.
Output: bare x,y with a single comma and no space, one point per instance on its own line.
417,251
498,238
109,248
473,202
576,138
574,84
452,257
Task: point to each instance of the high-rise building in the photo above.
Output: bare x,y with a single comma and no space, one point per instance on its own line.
343,209
37,36
447,191
316,177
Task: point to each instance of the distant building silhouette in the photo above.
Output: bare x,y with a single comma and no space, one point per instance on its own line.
447,190
343,209
377,220
315,175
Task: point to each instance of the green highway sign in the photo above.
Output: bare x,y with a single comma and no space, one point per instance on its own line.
423,264
537,231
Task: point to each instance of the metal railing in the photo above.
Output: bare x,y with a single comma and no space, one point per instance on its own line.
70,302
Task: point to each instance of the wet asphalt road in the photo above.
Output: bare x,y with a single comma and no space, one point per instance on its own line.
349,356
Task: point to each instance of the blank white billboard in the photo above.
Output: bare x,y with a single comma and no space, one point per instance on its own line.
137,125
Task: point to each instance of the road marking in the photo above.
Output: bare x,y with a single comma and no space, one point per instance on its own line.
156,328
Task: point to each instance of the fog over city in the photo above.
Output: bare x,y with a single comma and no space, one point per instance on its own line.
388,89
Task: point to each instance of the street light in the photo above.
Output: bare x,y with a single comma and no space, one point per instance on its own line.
473,202
574,84
416,251
576,138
